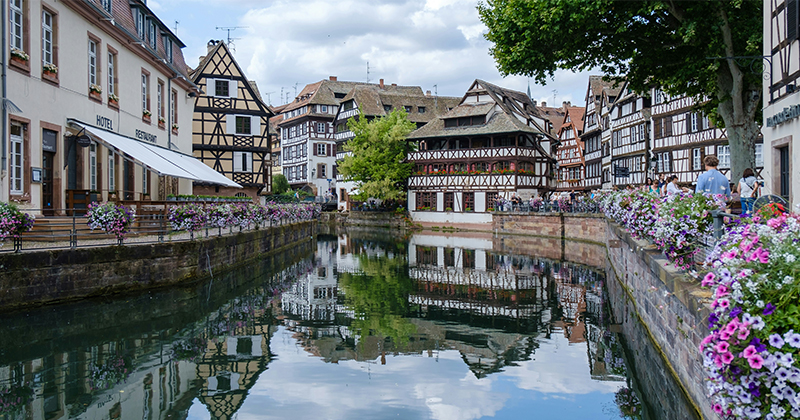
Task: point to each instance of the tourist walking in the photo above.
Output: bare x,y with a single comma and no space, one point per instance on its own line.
712,181
748,191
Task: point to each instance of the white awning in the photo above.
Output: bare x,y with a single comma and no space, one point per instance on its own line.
158,159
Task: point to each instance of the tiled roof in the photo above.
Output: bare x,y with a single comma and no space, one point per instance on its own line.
500,122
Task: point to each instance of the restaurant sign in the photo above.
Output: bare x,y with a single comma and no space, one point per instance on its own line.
788,113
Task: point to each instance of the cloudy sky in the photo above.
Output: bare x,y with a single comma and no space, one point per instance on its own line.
435,44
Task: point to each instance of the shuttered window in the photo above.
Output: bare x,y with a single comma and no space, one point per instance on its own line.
242,161
792,19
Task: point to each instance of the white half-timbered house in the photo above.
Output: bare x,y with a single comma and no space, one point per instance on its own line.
606,104
493,144
593,132
570,150
379,100
630,138
231,125
782,99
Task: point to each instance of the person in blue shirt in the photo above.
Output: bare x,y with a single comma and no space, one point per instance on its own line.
712,181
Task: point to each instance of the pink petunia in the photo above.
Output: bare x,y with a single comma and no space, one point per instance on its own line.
724,335
746,245
708,280
743,333
756,362
727,358
722,347
723,303
718,361
749,352
732,326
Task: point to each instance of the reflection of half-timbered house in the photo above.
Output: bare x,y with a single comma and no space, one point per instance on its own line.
781,126
570,150
683,136
231,124
493,144
375,101
630,138
593,132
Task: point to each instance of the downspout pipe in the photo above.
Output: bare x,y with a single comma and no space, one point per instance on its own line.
4,66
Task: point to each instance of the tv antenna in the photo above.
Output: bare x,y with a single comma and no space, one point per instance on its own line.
231,45
367,71
295,88
555,92
176,27
269,102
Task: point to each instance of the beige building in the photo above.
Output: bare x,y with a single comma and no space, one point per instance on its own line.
102,106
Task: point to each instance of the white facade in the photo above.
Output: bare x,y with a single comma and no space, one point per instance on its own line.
88,50
781,125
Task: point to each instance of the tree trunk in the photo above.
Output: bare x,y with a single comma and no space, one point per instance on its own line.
741,128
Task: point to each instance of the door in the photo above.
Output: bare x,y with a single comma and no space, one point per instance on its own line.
48,208
784,172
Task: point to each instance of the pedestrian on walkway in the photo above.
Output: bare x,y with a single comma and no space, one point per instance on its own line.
712,181
748,191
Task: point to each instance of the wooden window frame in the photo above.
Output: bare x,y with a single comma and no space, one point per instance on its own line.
145,91
112,81
25,37
98,64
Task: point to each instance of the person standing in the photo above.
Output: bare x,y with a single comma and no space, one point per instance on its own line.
748,191
662,185
712,181
672,186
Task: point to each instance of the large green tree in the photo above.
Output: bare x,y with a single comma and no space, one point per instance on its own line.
673,44
280,184
377,163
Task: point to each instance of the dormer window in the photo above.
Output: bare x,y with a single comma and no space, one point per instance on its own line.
168,48
465,121
387,108
106,5
421,109
407,108
151,34
139,18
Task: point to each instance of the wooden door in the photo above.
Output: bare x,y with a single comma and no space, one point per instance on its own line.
48,159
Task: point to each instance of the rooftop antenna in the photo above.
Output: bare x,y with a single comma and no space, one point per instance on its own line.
295,88
231,45
176,27
367,71
282,101
555,92
435,96
268,101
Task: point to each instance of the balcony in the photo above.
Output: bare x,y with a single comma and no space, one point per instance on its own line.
463,154
347,114
477,181
344,135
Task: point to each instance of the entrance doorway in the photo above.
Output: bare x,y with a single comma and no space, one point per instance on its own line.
784,171
48,207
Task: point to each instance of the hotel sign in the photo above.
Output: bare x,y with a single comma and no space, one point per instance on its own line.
788,113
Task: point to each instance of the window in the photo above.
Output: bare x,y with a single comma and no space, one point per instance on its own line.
93,167
320,127
724,156
168,48
323,109
792,20
697,159
694,119
16,17
426,201
320,149
47,37
107,5
242,161
664,162
448,201
407,108
759,155
421,109
173,104
221,88
322,170
17,159
145,92
112,73
139,17
112,185
92,62
469,201
151,34
387,108
144,181
243,124
160,99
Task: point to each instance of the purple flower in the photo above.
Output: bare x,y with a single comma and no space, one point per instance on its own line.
735,312
793,339
775,340
769,309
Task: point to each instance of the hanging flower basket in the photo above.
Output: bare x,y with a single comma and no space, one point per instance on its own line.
111,218
189,217
13,222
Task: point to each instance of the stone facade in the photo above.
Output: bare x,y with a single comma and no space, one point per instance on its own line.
34,278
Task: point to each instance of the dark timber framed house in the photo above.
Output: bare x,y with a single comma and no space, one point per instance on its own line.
592,135
570,150
630,138
231,125
493,144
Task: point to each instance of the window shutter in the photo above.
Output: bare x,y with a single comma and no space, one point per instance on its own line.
211,87
230,124
237,161
328,149
247,162
319,170
255,125
657,127
334,150
314,149
668,122
233,88
792,14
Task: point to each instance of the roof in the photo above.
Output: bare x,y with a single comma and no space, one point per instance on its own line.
372,100
498,123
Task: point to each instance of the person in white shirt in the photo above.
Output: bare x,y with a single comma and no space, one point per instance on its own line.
748,191
672,186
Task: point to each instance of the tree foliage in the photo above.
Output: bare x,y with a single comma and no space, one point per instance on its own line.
377,163
279,184
671,44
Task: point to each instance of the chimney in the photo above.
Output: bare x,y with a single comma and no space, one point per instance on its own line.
427,93
381,83
202,57
534,103
211,44
544,104
332,78
394,84
565,104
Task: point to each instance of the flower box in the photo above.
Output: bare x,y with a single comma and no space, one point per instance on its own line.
50,76
162,123
175,130
146,118
96,96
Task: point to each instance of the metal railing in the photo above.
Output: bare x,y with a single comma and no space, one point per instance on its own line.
547,207
71,232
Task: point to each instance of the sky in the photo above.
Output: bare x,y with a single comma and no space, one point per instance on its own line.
285,44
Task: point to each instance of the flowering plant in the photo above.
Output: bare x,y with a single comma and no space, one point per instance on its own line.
13,222
22,55
684,220
50,68
189,217
14,398
750,354
95,89
115,370
174,126
110,217
189,349
146,112
112,97
240,215
162,120
219,215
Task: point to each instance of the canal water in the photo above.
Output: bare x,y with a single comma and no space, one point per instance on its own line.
358,325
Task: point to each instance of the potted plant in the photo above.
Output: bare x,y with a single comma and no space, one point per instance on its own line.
468,209
174,128
13,222
49,71
162,122
110,217
113,99
146,115
171,197
112,196
95,91
448,209
19,57
145,196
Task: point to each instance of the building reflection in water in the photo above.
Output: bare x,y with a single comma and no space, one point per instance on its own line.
357,298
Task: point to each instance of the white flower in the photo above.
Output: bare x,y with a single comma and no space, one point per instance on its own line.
760,303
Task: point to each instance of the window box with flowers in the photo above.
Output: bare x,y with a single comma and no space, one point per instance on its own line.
96,92
50,72
162,123
113,100
146,115
174,128
20,59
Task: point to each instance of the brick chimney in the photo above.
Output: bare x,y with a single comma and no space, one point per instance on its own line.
332,78
427,93
394,84
544,104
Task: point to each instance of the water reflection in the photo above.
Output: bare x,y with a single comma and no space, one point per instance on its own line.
363,326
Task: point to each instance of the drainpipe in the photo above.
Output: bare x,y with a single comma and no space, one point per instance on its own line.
3,65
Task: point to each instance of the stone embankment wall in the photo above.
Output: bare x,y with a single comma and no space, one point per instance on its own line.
367,219
669,304
41,277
